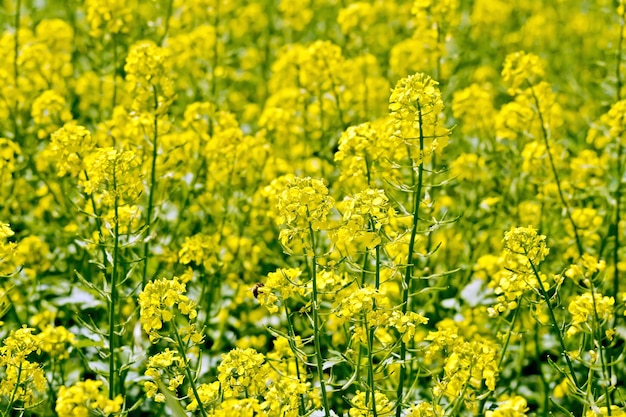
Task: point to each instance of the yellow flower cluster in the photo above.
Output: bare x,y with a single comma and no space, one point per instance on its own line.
162,365
415,106
56,341
208,393
524,250
514,406
589,312
363,408
522,69
279,286
425,409
160,302
242,370
85,397
303,207
364,216
201,250
108,16
23,379
69,146
7,250
148,75
469,365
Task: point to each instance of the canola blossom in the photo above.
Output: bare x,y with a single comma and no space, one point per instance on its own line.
357,208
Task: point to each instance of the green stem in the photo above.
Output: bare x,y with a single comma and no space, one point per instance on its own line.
181,350
618,64
114,100
508,336
113,295
216,24
370,367
555,325
409,264
546,142
598,336
316,326
370,337
459,399
170,7
17,384
146,246
483,401
18,16
363,279
620,164
94,207
292,345
544,383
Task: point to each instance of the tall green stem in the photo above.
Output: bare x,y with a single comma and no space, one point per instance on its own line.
370,365
16,51
113,295
555,173
14,392
292,345
146,246
597,334
192,382
409,264
114,99
555,324
316,325
620,163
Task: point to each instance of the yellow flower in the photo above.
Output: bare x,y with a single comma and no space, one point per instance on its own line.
584,309
85,397
69,146
415,106
242,370
56,341
303,206
425,409
208,393
160,301
279,286
521,68
514,406
362,408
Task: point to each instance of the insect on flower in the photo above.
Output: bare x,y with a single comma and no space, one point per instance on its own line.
255,289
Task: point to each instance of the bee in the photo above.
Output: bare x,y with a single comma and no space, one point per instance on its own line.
255,289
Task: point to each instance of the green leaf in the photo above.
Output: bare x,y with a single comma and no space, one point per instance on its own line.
171,401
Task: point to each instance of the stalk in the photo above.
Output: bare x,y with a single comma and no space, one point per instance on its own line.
508,336
146,245
114,100
14,393
363,279
620,164
370,368
544,383
181,350
370,338
170,8
292,345
113,306
597,334
18,15
483,401
316,325
409,265
554,325
566,206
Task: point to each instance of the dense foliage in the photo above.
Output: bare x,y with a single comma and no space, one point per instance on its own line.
312,207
